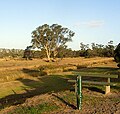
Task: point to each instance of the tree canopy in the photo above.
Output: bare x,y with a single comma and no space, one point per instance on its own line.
117,54
51,38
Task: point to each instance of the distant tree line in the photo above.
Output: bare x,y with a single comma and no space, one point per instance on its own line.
11,53
98,50
86,50
51,41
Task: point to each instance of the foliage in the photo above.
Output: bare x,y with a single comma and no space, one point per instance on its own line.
117,54
28,54
86,50
98,50
51,38
11,53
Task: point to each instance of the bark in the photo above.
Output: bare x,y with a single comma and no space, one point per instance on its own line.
55,53
48,52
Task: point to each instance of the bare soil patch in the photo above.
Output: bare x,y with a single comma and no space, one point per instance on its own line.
93,103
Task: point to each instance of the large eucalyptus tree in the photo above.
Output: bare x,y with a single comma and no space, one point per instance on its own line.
51,38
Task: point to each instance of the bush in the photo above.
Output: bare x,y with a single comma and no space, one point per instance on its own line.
117,54
118,65
81,66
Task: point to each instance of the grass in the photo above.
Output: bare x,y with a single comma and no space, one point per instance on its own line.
68,97
103,70
18,87
39,109
9,89
25,81
25,76
17,94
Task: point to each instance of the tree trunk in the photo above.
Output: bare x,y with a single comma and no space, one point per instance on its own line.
55,53
48,53
48,56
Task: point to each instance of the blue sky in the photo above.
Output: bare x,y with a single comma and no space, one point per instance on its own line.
92,20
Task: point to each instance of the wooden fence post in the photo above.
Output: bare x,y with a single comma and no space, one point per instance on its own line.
107,87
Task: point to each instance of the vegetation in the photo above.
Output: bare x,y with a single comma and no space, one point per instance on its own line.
11,53
20,79
86,50
21,85
99,50
51,38
117,54
39,109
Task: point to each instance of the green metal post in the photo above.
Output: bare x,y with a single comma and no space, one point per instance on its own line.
79,92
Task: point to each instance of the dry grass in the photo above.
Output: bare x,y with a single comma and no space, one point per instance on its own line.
20,64
21,79
11,70
83,61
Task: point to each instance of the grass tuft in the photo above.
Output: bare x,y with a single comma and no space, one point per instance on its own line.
39,109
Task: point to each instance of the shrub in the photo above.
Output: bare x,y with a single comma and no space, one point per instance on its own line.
81,66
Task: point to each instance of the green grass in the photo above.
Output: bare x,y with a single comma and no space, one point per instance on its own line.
17,93
39,109
18,87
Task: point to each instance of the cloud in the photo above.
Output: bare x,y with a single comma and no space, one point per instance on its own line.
91,24
95,23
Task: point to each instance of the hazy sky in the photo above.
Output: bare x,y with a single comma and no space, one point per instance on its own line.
92,20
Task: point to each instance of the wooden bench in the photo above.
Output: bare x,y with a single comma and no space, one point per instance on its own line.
108,83
78,84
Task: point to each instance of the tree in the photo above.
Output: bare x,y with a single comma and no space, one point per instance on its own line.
28,53
97,49
83,46
117,54
51,38
109,49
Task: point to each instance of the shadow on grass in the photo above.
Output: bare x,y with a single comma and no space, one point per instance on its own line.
45,84
34,72
105,70
63,101
96,89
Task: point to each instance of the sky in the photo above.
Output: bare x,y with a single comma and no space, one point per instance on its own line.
93,21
